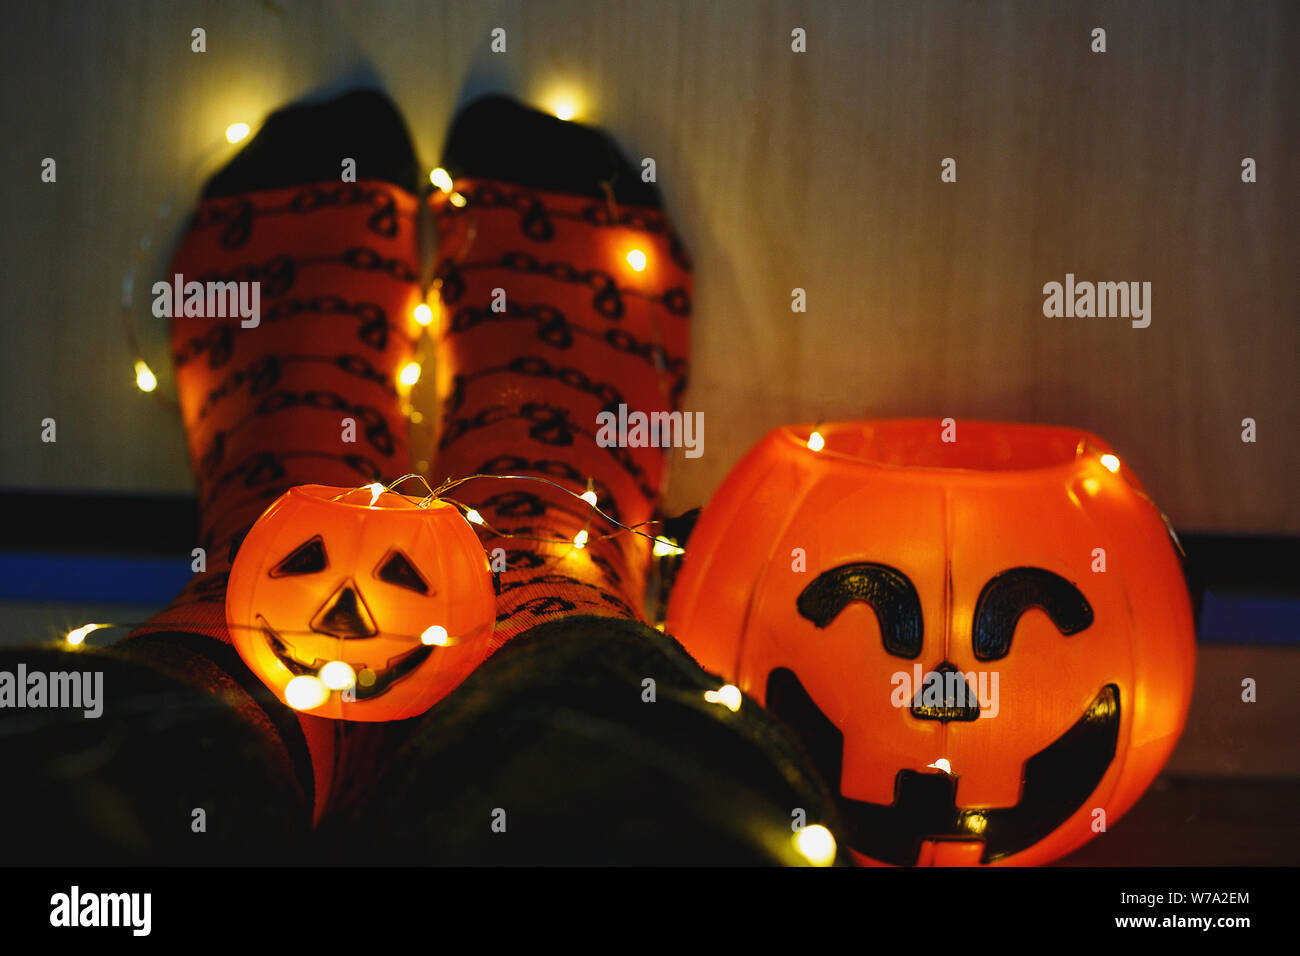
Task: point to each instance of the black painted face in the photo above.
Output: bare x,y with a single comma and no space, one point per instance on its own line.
1056,781
346,616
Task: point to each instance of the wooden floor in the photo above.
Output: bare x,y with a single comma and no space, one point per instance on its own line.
1203,821
1230,792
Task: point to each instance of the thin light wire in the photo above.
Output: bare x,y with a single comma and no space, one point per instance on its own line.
450,483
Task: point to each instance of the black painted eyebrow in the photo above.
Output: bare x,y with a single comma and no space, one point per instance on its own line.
1010,594
886,590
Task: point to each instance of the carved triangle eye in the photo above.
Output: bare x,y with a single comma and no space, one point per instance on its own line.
396,568
308,558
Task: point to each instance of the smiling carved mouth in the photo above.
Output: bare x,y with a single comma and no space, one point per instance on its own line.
1057,781
394,669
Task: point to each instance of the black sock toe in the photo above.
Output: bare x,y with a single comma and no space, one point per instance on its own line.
499,138
307,143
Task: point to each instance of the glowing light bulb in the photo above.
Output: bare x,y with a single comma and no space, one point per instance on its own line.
580,539
77,635
666,546
236,131
636,259
474,516
441,178
376,489
306,692
1111,462
565,110
423,314
410,374
816,844
816,442
145,380
457,200
589,497
337,675
728,695
437,634
941,764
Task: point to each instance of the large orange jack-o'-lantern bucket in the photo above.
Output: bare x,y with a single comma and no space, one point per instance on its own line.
982,632
361,603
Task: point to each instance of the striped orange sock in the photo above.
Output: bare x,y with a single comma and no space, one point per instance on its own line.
565,293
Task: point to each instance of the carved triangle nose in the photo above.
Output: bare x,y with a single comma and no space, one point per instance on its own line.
945,694
345,614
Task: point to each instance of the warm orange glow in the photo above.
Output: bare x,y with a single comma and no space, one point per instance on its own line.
145,380
816,844
306,692
666,546
337,675
1055,592
728,696
441,179
78,635
346,582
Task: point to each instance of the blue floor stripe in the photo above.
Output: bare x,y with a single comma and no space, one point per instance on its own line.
1249,619
91,579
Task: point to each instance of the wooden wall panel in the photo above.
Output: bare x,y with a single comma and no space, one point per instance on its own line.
818,170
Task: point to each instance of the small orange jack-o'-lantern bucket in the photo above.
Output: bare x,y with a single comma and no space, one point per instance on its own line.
982,633
360,604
